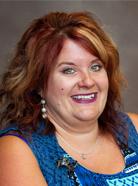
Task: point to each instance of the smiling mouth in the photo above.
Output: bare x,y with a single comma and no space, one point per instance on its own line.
85,98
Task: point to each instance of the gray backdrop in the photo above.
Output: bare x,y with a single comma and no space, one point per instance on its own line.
119,18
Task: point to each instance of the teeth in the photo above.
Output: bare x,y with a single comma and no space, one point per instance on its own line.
85,96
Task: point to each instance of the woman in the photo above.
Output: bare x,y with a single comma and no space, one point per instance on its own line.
61,122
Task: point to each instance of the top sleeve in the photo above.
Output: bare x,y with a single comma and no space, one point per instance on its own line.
13,131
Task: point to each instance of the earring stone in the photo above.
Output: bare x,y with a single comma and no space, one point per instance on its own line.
43,108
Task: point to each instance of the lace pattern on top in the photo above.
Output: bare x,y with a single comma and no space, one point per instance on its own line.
48,153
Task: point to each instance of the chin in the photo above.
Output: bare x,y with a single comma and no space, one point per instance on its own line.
88,116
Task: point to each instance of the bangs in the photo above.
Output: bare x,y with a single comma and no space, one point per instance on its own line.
93,44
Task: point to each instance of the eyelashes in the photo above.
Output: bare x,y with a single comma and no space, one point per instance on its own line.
68,70
95,67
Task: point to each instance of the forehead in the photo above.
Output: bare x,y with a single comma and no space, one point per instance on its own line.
73,51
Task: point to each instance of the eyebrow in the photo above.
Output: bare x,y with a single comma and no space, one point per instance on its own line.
71,63
65,63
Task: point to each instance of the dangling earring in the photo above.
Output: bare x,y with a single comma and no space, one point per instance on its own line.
43,108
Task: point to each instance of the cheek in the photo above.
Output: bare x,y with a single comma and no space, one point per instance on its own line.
62,91
104,82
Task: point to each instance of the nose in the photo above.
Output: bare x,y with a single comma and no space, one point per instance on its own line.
86,80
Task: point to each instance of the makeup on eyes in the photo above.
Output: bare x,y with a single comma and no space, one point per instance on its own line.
72,67
96,67
68,70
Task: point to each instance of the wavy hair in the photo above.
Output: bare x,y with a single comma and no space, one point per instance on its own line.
35,56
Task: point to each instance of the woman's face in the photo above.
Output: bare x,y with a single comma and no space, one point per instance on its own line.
77,86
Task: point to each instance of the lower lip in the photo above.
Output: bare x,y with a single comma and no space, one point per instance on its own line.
85,101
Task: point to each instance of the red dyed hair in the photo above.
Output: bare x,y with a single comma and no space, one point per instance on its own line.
36,55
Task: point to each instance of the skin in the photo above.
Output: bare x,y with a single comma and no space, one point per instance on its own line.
77,72
77,122
134,118
18,166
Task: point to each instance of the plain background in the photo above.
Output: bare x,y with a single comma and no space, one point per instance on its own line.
119,18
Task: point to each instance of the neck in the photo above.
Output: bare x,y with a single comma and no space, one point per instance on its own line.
73,124
82,141
80,135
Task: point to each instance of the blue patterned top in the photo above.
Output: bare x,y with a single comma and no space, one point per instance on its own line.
59,169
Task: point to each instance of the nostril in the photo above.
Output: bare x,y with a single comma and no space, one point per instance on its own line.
86,81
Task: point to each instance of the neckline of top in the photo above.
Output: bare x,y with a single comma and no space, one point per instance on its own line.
124,152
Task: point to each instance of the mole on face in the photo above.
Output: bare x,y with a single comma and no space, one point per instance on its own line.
62,91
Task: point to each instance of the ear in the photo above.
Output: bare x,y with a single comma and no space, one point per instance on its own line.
134,118
41,93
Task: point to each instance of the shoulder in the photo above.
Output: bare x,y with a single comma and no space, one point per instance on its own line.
18,163
134,118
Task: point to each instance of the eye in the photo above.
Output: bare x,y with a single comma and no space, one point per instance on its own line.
68,71
96,67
